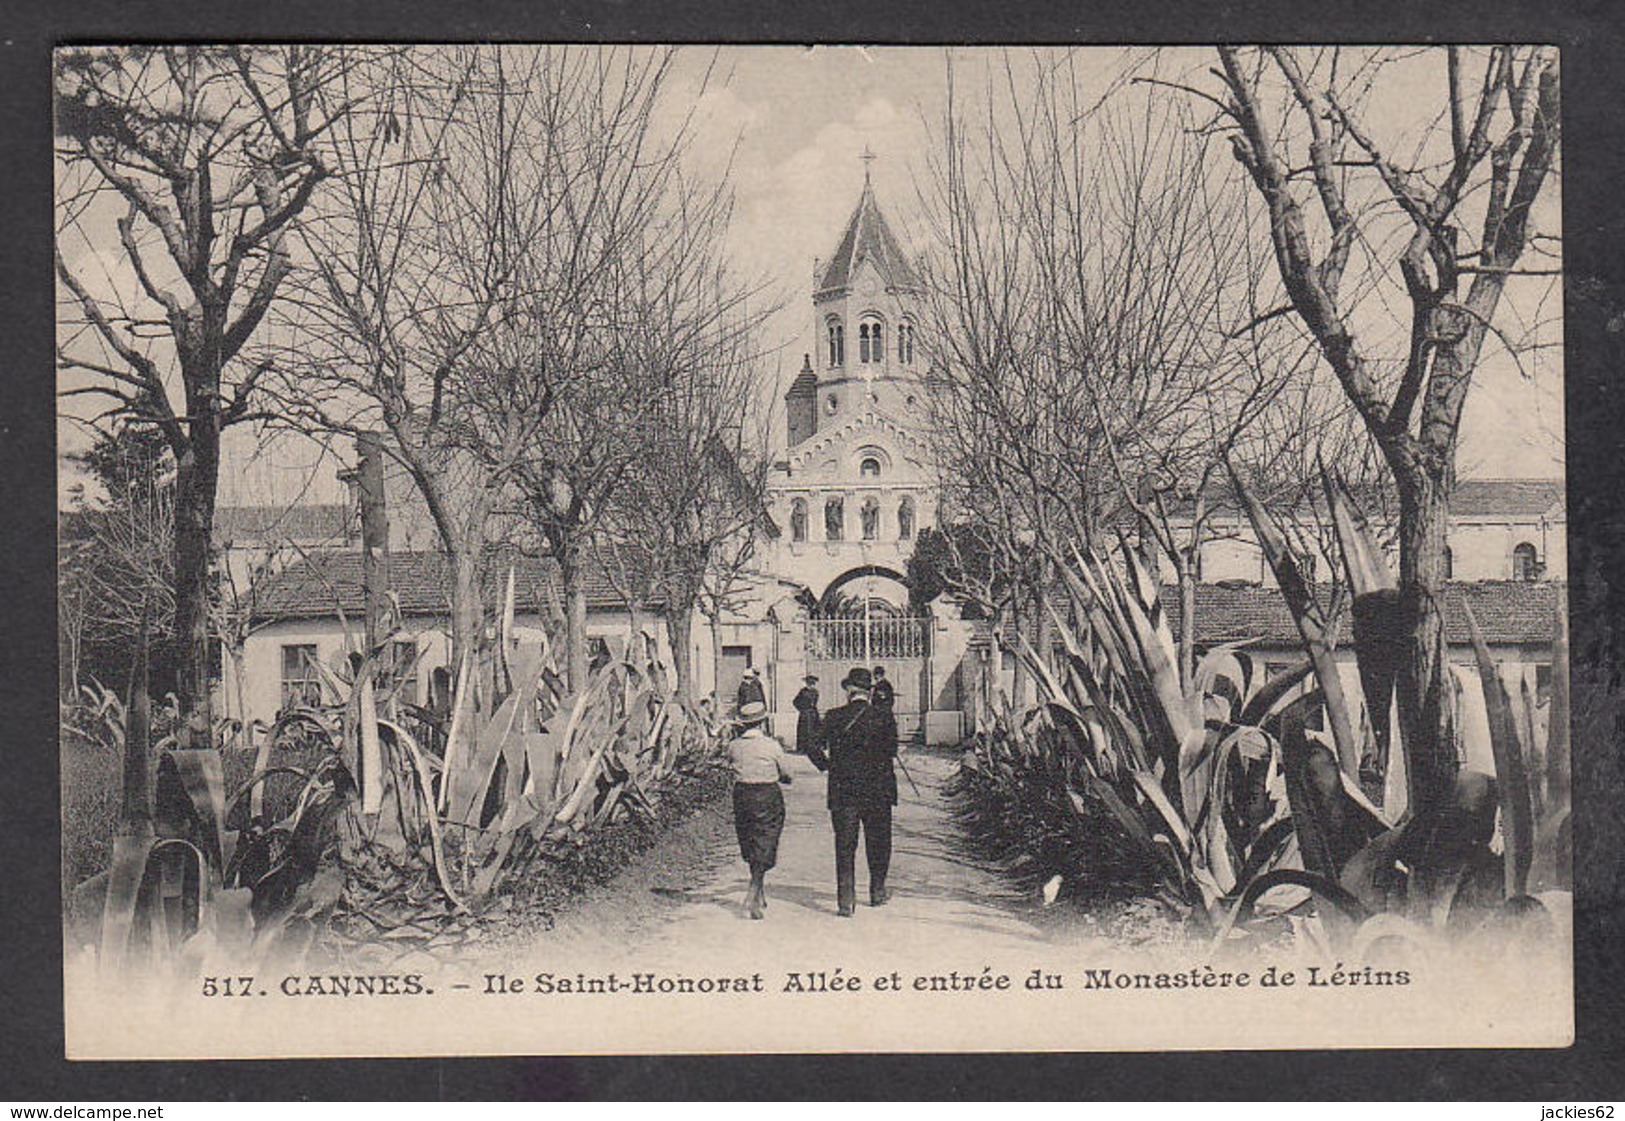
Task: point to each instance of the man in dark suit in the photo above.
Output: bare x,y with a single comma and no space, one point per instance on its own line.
884,696
806,704
857,745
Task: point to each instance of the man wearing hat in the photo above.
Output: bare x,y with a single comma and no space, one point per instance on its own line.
856,745
883,695
806,704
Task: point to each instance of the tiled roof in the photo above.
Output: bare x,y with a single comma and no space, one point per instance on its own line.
319,586
1509,612
868,237
1507,498
806,383
330,523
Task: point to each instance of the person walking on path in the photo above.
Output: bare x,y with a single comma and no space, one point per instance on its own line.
806,704
885,697
750,689
856,746
759,767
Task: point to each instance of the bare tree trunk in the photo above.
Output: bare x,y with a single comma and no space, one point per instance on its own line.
680,625
135,808
1423,686
374,533
575,615
1044,636
197,480
466,610
716,653
1185,573
635,651
1018,674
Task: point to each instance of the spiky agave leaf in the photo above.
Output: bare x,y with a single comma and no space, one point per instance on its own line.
420,770
1274,694
191,794
1313,626
1143,607
1323,886
1082,672
470,779
1512,779
1311,792
1379,630
1224,669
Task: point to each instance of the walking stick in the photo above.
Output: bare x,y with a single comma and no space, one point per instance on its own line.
911,782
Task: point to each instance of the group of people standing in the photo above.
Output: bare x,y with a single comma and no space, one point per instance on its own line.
856,745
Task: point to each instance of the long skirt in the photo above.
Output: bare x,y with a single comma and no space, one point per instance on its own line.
758,820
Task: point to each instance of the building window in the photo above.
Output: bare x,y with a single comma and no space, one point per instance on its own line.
1525,562
837,344
870,516
400,672
869,468
798,520
301,680
905,519
871,343
1448,562
905,343
834,520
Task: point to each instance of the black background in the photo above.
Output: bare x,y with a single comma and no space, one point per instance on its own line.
1592,36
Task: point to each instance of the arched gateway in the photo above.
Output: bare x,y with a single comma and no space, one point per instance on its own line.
864,619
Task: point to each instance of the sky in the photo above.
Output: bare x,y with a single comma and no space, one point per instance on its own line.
790,125
803,119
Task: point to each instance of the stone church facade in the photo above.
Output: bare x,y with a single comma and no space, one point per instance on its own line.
854,489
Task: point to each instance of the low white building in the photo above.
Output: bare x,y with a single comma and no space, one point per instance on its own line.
312,613
1500,529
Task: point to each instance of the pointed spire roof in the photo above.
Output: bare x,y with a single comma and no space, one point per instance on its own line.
868,238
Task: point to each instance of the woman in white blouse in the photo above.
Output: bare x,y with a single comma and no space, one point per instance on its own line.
759,767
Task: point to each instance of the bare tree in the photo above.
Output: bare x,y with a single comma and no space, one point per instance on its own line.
572,393
1099,309
695,506
1160,293
1439,223
187,165
117,554
414,262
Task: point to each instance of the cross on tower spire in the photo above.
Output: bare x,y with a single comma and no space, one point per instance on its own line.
868,158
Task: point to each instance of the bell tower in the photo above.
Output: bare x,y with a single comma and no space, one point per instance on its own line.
865,319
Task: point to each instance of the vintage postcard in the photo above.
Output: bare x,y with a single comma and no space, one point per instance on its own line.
611,549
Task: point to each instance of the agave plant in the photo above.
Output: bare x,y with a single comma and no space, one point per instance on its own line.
1433,862
345,816
1193,776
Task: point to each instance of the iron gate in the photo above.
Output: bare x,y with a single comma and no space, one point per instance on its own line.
902,644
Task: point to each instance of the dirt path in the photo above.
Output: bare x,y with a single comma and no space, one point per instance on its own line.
681,905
